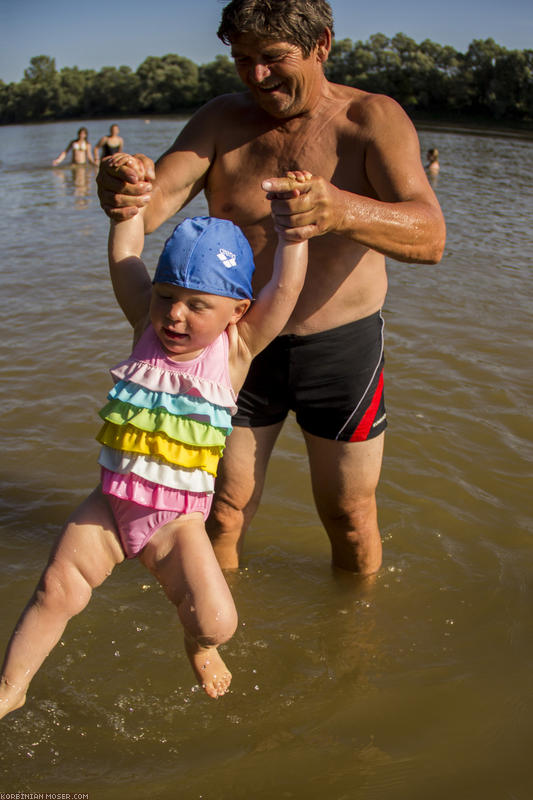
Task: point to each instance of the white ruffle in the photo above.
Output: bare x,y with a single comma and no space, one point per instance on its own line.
155,471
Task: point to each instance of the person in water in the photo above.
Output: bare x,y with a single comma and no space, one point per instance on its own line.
369,199
81,150
433,166
110,144
196,331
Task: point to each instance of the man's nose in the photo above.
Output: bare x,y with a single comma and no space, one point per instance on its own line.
260,72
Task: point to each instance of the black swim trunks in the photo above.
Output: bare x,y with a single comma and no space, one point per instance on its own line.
332,380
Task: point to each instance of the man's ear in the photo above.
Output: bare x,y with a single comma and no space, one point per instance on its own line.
323,45
240,309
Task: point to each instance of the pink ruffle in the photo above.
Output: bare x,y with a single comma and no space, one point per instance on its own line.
138,490
163,380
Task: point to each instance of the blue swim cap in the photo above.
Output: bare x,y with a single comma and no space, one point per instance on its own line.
208,255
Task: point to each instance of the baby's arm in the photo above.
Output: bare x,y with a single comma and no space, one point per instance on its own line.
129,276
275,302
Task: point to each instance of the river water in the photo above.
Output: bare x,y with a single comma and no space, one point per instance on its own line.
417,686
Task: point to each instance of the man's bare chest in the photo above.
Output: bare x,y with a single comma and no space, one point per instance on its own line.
311,145
235,177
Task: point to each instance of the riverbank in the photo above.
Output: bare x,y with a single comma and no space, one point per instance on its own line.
475,125
460,124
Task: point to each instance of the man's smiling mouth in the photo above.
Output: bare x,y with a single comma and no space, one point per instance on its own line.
267,89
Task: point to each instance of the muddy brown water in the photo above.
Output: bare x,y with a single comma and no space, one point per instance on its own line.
417,686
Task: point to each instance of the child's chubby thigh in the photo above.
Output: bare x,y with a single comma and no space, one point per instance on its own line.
176,549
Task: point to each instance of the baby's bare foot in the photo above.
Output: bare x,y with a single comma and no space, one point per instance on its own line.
212,674
11,697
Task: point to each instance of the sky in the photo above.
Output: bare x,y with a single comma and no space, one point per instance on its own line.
118,32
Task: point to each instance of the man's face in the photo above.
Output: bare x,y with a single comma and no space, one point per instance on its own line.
283,82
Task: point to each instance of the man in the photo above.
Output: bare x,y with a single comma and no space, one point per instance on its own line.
368,198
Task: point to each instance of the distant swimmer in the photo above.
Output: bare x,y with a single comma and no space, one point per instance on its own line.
433,166
111,144
81,150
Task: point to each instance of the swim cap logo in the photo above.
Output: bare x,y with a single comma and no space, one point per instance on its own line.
228,259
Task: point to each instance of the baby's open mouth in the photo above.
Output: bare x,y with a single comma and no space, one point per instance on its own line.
174,334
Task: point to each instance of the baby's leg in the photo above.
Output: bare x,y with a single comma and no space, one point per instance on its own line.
181,556
82,558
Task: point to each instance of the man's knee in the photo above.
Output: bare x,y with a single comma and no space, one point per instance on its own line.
351,515
225,519
354,535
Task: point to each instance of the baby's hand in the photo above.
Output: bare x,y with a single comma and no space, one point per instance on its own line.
288,196
124,184
300,176
118,160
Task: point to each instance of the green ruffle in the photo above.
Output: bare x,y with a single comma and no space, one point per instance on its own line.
159,420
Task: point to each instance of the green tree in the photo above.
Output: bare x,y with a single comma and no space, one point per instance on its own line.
73,85
501,80
42,70
479,71
487,81
167,84
113,91
444,88
39,89
218,77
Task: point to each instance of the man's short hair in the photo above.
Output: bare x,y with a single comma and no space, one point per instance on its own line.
300,22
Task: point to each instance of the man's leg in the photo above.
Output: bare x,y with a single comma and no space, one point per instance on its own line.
238,490
344,477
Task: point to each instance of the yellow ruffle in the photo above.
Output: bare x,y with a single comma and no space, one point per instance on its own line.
131,440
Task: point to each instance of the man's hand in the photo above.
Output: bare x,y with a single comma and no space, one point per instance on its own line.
304,208
124,184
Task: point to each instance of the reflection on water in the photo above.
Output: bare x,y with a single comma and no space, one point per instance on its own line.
415,686
76,180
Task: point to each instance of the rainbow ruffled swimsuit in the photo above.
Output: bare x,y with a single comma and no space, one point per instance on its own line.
165,427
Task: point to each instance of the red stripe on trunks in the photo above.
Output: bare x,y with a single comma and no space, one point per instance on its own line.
360,434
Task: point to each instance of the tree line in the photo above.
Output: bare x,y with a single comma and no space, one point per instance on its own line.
488,81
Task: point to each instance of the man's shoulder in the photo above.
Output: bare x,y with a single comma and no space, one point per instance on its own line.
226,104
366,114
365,104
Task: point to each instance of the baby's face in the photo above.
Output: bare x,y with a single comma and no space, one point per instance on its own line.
187,321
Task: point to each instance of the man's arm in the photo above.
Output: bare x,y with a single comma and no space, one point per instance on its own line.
164,189
404,220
